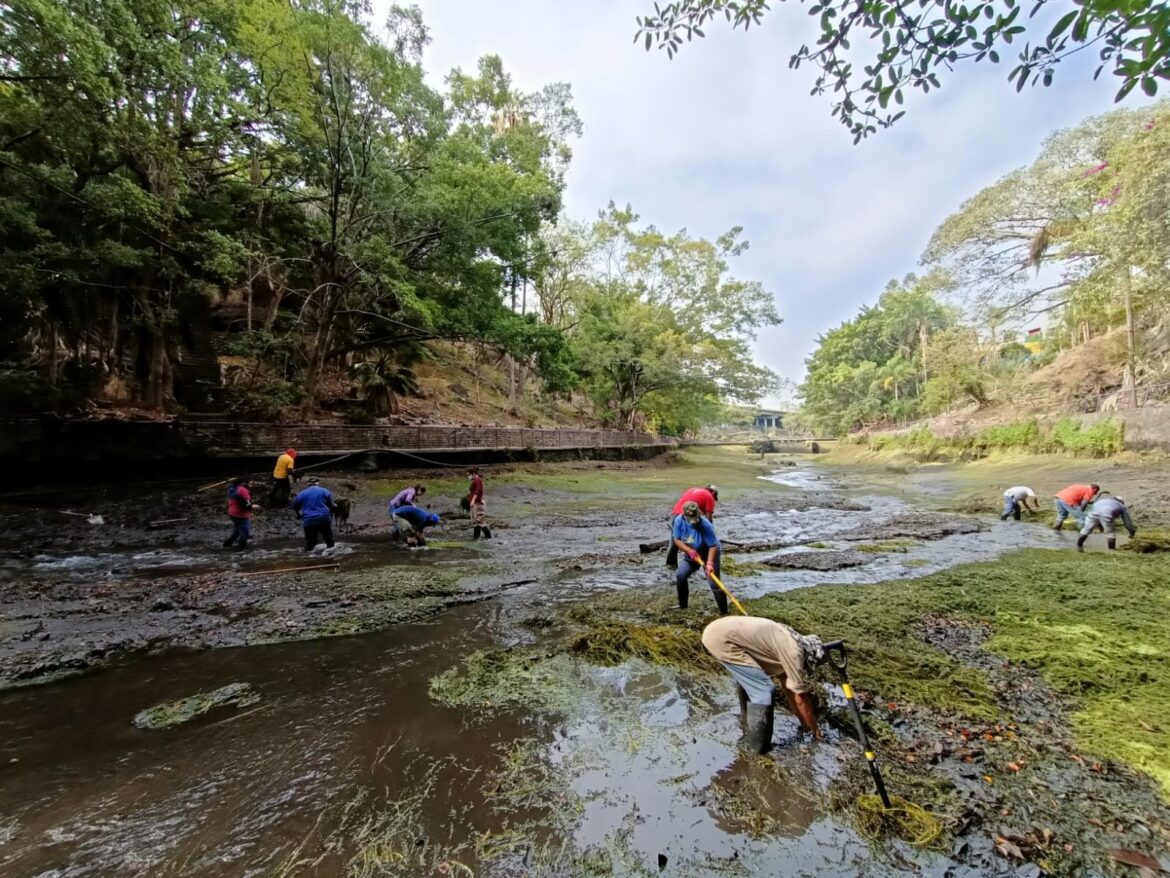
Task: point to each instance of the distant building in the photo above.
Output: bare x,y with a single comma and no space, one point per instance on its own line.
1034,341
767,421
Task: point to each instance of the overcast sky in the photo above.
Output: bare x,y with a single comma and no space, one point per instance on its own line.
725,134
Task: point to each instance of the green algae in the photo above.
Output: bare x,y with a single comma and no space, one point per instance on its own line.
173,713
503,679
887,547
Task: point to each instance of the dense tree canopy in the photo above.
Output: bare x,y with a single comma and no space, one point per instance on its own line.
911,44
274,186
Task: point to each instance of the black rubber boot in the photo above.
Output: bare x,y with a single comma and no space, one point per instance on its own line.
1081,544
743,700
487,532
684,594
720,601
759,727
475,536
1111,542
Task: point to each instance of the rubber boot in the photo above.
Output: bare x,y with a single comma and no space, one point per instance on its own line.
1081,543
475,536
1058,527
720,601
759,727
743,700
1111,542
487,532
684,594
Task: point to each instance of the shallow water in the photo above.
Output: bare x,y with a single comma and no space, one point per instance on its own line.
634,767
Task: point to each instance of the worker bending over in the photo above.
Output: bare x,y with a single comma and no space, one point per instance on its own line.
1103,515
694,536
411,522
1073,501
705,498
407,496
754,651
1015,499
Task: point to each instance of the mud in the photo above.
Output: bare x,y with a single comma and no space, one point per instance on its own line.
529,706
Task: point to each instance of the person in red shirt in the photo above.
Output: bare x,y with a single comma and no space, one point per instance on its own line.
239,510
705,499
1074,500
475,502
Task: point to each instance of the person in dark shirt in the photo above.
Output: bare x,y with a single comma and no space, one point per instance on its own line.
315,507
475,501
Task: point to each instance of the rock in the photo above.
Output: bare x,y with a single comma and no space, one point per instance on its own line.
830,560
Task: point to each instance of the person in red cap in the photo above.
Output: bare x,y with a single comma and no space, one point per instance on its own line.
705,499
282,476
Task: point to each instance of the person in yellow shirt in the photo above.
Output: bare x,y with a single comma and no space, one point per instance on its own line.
282,476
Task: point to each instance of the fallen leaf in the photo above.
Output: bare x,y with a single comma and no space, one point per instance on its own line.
1135,858
1014,766
988,778
1006,848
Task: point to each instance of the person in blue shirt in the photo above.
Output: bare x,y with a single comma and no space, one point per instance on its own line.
1102,516
413,521
314,506
698,548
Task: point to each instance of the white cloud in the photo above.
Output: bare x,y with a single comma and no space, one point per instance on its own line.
727,135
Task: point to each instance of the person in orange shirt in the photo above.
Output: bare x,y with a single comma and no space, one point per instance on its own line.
1074,500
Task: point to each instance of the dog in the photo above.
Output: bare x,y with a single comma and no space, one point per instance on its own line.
465,506
341,509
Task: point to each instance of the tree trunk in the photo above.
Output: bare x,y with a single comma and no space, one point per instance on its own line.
156,376
922,343
1130,371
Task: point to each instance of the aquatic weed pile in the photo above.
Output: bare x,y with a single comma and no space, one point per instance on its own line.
173,713
903,819
611,643
501,679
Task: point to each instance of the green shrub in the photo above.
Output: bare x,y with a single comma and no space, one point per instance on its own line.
1100,440
1021,434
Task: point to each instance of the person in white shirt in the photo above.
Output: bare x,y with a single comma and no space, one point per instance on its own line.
1015,499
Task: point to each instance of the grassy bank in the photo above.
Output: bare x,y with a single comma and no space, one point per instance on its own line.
1065,436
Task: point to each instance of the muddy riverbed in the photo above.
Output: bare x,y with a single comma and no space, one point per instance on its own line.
347,765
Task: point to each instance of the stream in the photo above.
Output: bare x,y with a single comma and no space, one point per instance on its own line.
345,756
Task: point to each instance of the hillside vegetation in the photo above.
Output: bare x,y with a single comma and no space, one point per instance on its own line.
1048,292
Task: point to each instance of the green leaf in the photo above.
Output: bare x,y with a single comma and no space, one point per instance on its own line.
1149,85
1063,25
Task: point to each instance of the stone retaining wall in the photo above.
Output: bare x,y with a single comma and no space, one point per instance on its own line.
53,439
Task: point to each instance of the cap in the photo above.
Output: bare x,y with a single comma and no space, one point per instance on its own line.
691,511
313,480
291,452
714,491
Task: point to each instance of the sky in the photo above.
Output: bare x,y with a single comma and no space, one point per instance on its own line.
725,135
